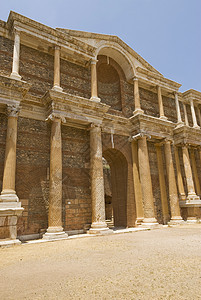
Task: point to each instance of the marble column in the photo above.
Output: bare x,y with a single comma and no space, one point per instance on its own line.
160,104
138,109
55,229
56,86
195,173
8,193
195,124
189,176
179,120
10,207
94,83
180,183
164,201
16,56
185,115
97,182
146,184
173,196
137,184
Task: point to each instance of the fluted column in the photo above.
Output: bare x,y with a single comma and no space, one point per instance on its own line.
164,201
195,124
160,104
137,184
179,120
195,173
174,200
55,229
189,176
56,86
94,83
185,115
137,104
145,178
8,193
180,183
16,56
97,182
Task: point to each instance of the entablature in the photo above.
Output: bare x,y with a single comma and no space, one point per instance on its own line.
185,134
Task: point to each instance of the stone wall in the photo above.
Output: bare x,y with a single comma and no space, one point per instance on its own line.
32,175
76,178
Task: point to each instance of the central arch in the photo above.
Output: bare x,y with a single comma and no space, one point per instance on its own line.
119,176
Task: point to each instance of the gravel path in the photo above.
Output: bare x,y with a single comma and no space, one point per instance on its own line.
157,264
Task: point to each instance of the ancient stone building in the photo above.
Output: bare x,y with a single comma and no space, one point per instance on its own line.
71,101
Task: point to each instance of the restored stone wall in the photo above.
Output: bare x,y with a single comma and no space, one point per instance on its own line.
32,175
6,56
76,178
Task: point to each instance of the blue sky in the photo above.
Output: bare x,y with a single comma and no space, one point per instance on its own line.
166,33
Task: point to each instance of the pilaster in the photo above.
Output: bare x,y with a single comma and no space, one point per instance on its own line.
160,104
137,104
56,85
94,83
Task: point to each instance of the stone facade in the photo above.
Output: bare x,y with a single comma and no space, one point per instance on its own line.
71,102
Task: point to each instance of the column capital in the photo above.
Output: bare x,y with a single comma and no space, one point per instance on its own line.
57,47
94,61
135,78
56,117
13,110
139,136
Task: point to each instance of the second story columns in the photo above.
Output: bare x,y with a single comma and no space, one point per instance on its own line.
160,103
16,56
56,85
94,83
137,104
179,119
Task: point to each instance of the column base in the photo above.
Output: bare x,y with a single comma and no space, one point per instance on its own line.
150,223
15,75
57,88
179,124
166,219
196,127
175,221
55,233
139,221
95,99
99,228
138,111
8,196
164,118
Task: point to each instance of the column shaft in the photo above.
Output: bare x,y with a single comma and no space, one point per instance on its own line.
146,184
179,176
55,229
179,120
94,84
160,104
164,201
195,124
97,182
185,115
174,201
57,69
195,173
137,97
137,184
16,57
8,192
189,176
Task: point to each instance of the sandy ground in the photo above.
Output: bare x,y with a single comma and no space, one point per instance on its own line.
157,264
